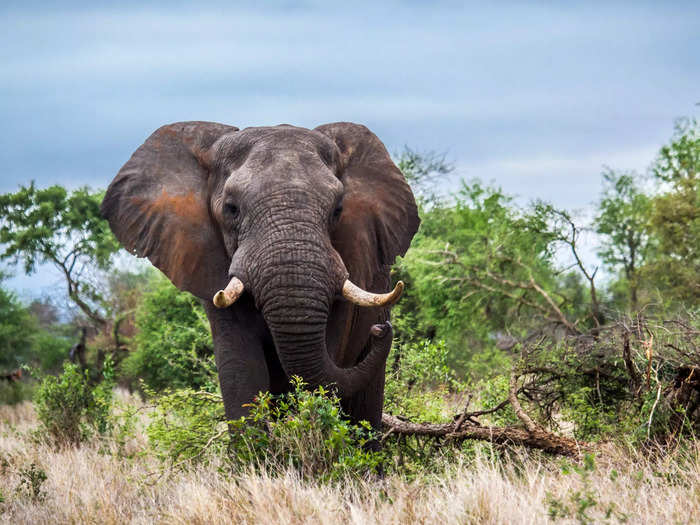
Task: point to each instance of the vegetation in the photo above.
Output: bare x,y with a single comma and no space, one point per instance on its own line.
511,351
70,409
176,354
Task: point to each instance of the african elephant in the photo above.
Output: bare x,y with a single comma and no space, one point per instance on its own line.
302,224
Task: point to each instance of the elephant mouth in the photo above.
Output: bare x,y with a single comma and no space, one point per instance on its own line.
350,291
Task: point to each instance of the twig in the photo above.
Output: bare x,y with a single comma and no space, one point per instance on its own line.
653,408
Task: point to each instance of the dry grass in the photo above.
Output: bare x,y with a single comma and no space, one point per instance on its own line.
94,484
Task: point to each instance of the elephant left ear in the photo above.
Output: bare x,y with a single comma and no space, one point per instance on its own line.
380,215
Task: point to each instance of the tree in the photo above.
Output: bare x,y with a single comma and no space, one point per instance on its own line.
675,218
16,329
479,268
23,340
623,224
64,229
423,171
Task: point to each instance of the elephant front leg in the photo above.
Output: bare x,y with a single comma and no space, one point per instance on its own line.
242,375
240,360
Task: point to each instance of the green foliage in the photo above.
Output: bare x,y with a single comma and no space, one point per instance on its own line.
587,386
51,348
679,161
623,223
16,329
302,430
462,267
173,346
675,220
13,392
492,393
24,343
46,225
65,229
419,381
306,431
70,409
185,424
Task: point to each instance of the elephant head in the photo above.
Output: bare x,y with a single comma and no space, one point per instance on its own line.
294,217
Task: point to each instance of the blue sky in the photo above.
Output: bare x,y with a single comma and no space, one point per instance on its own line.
536,98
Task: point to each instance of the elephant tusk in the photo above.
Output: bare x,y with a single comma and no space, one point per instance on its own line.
229,295
360,297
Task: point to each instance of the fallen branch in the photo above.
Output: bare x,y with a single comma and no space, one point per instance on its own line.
465,427
502,435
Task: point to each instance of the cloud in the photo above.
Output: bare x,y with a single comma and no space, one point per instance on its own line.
534,97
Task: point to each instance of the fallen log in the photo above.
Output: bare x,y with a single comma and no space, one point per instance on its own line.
537,439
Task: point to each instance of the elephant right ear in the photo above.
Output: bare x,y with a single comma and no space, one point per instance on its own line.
158,206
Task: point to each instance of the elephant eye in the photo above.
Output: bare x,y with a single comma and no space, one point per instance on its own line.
337,211
231,210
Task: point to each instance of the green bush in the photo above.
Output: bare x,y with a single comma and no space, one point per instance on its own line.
187,426
31,481
16,329
70,409
173,347
493,392
51,349
302,430
418,381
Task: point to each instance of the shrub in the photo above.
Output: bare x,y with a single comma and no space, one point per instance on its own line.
70,409
303,430
187,426
31,480
173,347
418,381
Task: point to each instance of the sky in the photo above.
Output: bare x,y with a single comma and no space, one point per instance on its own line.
535,98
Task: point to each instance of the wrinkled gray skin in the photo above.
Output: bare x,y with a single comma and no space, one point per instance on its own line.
292,213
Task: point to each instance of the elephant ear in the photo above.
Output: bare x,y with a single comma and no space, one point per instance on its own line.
158,206
380,215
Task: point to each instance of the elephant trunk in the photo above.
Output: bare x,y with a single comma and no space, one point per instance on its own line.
294,296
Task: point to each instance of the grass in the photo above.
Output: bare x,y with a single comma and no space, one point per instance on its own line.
109,482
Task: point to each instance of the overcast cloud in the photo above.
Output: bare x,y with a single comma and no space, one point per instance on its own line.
534,98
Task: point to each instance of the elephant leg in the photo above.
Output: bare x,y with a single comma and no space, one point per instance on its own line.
240,359
368,404
242,375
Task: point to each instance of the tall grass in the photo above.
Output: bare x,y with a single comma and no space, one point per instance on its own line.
105,481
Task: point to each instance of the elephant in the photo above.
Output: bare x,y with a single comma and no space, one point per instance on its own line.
303,225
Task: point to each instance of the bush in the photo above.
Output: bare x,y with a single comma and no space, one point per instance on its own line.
302,430
16,329
70,409
418,381
173,347
187,426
